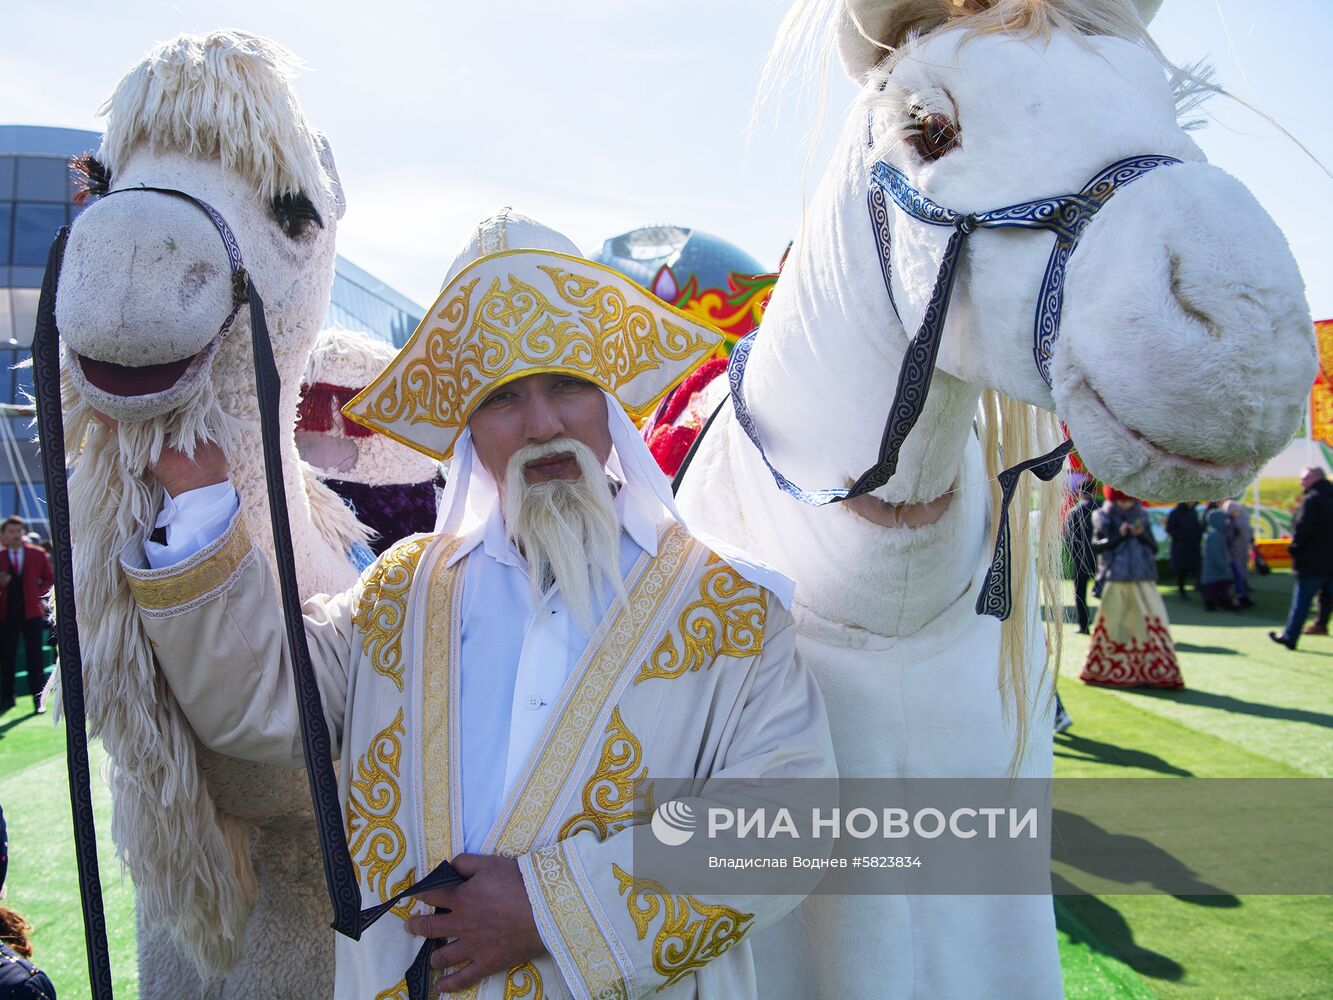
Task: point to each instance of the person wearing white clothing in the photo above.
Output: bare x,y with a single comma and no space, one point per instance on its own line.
495,689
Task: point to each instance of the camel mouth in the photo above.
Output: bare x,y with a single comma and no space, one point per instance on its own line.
130,381
1157,453
139,392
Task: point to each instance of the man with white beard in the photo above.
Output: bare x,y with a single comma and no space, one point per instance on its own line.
496,689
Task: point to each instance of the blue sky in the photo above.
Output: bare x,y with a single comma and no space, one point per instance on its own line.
601,115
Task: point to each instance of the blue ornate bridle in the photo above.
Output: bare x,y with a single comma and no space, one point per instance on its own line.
1067,216
349,917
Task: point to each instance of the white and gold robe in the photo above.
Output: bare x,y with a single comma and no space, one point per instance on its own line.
693,676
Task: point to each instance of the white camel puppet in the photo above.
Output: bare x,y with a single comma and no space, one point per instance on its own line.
230,892
1177,286
390,487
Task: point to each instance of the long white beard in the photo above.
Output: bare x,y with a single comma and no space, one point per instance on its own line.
567,529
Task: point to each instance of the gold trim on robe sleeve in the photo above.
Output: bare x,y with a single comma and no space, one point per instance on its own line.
209,573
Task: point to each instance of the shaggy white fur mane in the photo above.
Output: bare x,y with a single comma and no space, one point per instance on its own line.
182,817
223,96
348,358
190,863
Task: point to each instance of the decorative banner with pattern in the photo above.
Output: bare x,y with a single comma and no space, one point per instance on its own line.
1321,393
735,310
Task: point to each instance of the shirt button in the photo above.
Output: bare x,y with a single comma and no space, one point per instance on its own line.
533,702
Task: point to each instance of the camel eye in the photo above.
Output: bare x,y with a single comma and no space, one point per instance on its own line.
296,214
92,179
932,135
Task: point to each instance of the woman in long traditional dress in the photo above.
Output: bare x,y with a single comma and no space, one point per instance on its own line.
1131,646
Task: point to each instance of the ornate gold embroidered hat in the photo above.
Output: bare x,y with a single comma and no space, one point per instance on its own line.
524,312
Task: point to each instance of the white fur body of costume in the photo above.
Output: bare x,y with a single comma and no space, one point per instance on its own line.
350,359
222,852
1177,285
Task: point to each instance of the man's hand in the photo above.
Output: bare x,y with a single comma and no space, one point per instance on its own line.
179,473
490,926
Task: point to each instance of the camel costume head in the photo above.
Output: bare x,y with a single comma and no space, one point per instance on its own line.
145,291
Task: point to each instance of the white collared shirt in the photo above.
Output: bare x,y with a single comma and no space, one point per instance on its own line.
515,660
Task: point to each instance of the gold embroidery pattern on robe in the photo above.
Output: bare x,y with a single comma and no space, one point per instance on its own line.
608,797
404,907
601,963
382,608
439,736
395,992
726,620
208,573
535,792
524,982
374,838
692,934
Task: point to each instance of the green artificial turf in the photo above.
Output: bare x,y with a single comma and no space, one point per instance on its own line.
42,884
1251,709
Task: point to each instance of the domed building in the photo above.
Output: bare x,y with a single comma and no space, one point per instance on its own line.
641,254
696,272
710,279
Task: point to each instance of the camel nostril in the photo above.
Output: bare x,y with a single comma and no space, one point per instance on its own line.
1181,297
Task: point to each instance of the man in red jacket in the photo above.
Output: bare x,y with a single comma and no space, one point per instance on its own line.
25,578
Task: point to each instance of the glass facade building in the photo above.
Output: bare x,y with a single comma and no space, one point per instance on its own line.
360,301
36,199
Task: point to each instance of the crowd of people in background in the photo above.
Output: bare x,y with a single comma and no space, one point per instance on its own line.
1111,547
1215,552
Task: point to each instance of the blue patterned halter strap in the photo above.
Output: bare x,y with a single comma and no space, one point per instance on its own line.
1066,216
